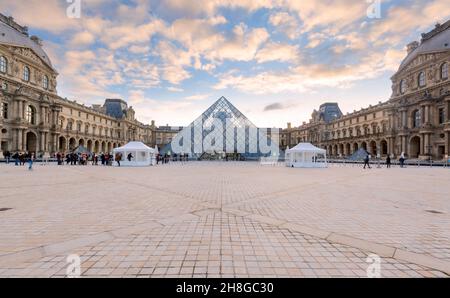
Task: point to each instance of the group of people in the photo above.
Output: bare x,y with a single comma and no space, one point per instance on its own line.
165,159
388,161
83,159
20,158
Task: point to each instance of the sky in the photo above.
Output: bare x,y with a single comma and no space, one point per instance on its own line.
275,60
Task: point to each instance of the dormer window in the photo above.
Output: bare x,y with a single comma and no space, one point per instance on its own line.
421,79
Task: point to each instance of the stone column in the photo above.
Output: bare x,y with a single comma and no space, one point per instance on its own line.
19,138
447,143
22,109
46,141
404,145
1,149
426,144
41,141
447,105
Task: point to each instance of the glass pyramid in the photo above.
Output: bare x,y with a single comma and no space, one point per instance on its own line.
222,129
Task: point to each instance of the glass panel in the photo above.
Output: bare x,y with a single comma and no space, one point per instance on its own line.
226,113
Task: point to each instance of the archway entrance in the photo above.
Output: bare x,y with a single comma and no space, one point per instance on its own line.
62,144
441,152
89,145
72,144
348,149
341,150
81,142
384,147
355,147
31,142
364,145
373,148
414,147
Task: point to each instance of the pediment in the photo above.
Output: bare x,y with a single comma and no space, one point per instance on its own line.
28,53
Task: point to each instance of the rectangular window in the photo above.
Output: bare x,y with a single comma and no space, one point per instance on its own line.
441,115
5,110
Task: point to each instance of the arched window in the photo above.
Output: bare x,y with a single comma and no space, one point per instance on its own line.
31,115
417,118
45,82
402,86
421,79
444,71
3,64
26,73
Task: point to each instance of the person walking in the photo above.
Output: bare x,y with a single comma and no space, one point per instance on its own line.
130,157
118,158
388,162
30,161
367,161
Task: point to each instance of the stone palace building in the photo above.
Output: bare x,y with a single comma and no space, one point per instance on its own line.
415,120
34,118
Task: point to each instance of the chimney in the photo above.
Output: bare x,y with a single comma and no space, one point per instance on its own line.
289,125
412,46
153,122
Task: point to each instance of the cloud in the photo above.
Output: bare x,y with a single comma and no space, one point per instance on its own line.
278,52
175,89
197,97
286,23
278,106
83,38
311,76
36,14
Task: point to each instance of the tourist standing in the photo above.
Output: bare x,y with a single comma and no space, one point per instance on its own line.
402,160
130,157
367,161
388,162
7,156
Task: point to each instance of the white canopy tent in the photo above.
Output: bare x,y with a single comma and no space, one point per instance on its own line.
142,155
306,155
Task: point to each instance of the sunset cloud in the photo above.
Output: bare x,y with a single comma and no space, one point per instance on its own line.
175,53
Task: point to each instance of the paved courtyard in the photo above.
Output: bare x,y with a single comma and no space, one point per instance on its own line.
217,219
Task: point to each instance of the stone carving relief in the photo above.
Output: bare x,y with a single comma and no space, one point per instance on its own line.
28,54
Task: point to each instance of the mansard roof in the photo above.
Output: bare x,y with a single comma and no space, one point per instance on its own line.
15,35
437,40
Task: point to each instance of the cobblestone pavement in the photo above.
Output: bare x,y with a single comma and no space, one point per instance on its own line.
217,219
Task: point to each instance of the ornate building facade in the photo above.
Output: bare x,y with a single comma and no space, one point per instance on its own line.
35,119
414,121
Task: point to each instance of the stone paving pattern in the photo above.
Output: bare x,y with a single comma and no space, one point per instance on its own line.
217,219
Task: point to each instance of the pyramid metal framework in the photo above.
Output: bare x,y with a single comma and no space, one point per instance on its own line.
223,110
